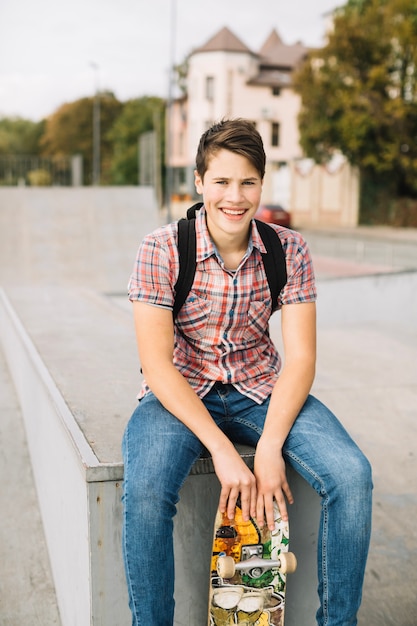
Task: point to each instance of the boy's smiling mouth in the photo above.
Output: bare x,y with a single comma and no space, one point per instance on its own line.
233,212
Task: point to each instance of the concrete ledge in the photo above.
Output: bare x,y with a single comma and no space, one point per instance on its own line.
71,353
79,496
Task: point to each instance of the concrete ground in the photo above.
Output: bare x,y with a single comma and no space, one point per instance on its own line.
27,595
367,374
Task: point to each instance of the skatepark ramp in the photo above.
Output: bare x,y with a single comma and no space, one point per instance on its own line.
83,236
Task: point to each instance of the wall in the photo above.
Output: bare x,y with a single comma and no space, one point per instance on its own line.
324,195
378,299
73,236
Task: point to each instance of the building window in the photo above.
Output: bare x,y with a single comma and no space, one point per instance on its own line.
274,134
276,91
210,88
182,176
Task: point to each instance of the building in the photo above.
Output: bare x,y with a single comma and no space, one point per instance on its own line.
225,78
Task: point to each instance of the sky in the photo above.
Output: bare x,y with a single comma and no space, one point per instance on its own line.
55,51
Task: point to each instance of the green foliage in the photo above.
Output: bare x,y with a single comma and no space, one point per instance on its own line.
181,73
359,92
137,116
40,178
19,136
69,131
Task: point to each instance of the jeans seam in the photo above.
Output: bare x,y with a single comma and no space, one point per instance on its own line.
125,515
325,595
223,398
250,425
323,562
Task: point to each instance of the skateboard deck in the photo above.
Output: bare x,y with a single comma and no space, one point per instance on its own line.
248,572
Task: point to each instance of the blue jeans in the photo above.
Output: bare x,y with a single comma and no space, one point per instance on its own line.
159,452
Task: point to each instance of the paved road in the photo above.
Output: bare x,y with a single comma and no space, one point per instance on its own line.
27,595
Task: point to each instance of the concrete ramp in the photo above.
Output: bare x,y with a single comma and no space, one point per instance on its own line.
85,236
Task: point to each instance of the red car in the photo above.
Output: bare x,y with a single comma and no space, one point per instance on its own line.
273,214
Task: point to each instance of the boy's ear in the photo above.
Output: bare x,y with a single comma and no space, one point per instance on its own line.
198,182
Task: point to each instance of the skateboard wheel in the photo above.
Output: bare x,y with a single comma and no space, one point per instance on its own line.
226,567
288,562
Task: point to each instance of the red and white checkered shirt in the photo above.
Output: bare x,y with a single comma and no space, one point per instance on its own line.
221,332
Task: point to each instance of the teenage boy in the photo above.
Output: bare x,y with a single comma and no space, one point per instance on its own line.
213,376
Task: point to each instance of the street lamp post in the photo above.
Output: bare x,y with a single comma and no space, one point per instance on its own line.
96,127
169,169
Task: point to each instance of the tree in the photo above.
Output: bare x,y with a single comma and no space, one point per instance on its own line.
181,73
138,116
69,131
19,136
359,92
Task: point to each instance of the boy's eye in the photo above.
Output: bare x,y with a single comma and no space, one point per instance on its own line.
244,182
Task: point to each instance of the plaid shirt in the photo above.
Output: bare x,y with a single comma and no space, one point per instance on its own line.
222,333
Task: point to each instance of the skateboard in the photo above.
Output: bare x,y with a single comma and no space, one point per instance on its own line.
249,566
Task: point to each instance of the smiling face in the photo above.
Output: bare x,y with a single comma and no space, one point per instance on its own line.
231,189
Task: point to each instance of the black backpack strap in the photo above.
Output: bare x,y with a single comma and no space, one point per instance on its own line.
187,258
186,252
191,211
273,260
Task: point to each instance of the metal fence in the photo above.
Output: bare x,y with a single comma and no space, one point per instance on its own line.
22,170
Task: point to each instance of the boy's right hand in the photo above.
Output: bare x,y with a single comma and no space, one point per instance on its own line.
236,480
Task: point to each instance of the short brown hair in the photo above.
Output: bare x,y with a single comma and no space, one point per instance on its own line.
239,136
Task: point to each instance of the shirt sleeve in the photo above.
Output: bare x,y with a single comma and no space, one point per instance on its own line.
300,285
151,279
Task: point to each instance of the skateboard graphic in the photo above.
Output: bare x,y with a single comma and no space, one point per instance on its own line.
248,572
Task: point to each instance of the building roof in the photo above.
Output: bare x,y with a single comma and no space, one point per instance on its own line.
275,52
276,60
271,78
271,42
224,41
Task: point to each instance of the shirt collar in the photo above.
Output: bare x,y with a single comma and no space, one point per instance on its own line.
205,246
257,241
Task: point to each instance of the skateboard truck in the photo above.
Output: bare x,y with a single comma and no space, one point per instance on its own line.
254,565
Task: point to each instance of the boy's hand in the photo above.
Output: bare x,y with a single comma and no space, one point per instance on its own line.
236,481
271,483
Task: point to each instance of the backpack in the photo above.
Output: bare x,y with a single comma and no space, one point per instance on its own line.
273,259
